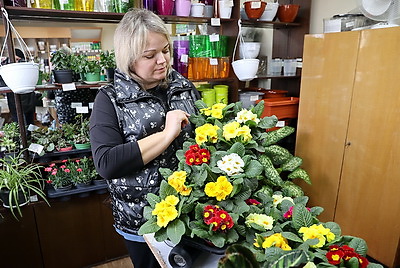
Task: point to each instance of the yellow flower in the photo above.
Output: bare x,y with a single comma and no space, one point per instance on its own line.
230,130
275,240
206,132
177,180
245,133
215,111
260,219
319,232
219,189
166,211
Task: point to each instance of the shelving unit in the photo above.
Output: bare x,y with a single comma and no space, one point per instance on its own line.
45,224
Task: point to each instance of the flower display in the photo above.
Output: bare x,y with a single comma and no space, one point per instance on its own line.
235,184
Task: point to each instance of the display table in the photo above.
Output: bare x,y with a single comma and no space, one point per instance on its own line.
161,251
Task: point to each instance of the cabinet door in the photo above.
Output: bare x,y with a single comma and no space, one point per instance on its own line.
369,203
325,97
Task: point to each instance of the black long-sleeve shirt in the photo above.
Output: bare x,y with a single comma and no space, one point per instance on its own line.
107,142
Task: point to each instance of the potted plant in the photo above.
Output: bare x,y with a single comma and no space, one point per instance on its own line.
81,136
59,176
81,172
89,69
62,62
46,137
107,61
18,180
9,138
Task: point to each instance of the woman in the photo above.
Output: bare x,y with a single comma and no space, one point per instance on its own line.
138,122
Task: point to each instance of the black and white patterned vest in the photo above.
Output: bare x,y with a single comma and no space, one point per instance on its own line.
141,114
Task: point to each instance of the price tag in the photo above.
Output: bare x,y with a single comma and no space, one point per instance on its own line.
184,58
214,38
33,198
255,4
280,124
91,105
253,98
32,127
76,104
68,87
215,22
82,110
213,61
35,148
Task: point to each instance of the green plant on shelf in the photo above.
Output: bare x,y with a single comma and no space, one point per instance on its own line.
62,59
107,59
18,181
10,138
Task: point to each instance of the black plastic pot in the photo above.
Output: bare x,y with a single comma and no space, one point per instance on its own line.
63,76
110,74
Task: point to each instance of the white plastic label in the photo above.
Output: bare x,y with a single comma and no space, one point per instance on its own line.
32,127
82,110
253,98
280,124
36,148
91,105
255,4
68,87
214,38
76,104
213,61
33,198
215,22
184,58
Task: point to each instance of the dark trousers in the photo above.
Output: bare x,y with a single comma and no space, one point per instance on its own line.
141,255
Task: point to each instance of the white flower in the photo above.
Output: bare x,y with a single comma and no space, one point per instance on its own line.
246,115
231,164
279,198
260,219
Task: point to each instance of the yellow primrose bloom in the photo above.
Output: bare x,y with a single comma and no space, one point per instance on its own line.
276,240
177,180
319,232
245,133
206,111
260,219
206,132
166,211
219,189
230,130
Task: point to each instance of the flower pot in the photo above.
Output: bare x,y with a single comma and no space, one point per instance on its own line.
183,7
65,149
254,9
288,13
4,197
83,184
110,74
245,69
165,7
63,188
270,12
92,77
82,146
62,76
21,78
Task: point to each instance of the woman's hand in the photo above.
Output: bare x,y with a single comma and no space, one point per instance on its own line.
174,122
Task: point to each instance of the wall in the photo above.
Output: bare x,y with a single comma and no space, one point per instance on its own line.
321,9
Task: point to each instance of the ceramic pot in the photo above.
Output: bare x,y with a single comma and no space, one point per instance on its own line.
12,73
254,9
287,13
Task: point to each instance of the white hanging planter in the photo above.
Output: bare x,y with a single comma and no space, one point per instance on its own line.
246,68
22,77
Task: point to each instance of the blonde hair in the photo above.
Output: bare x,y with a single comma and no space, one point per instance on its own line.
130,39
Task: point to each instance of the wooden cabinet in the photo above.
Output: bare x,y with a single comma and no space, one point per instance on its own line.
77,232
348,134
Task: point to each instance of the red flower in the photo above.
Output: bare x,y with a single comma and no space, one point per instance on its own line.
252,202
197,156
334,247
363,261
64,161
334,257
190,159
49,181
219,218
79,170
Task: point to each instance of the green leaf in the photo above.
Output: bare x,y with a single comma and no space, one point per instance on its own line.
147,212
218,241
294,258
268,122
149,227
237,148
175,231
165,172
166,190
153,199
292,237
254,169
301,217
353,263
334,227
359,245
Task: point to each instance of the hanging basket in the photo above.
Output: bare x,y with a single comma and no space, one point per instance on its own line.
246,68
22,77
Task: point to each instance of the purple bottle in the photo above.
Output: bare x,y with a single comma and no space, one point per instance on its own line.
149,4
